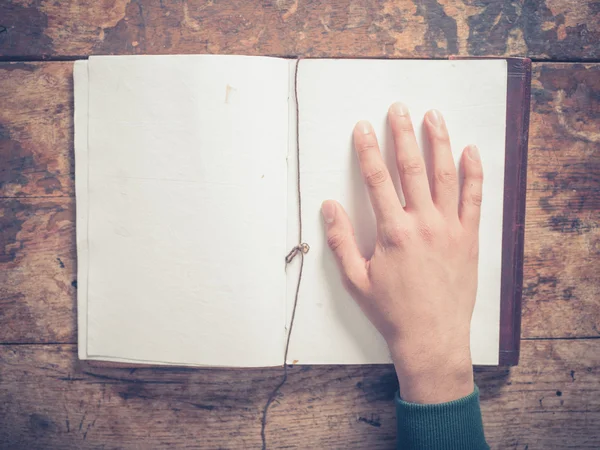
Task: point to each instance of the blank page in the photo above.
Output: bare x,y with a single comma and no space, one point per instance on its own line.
333,95
183,217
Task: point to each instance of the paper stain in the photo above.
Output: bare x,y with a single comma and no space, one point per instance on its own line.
230,94
122,231
296,361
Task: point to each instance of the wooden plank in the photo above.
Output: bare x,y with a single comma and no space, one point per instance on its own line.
555,29
37,270
562,239
564,137
562,236
36,129
51,400
544,402
561,280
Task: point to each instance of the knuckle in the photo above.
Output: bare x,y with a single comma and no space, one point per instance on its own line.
367,146
426,232
403,125
440,136
396,235
476,198
446,177
411,166
334,241
375,177
472,197
475,176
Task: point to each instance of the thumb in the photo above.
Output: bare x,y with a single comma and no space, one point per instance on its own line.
341,240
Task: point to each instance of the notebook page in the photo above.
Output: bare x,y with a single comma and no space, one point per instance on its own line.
186,204
292,269
80,87
333,95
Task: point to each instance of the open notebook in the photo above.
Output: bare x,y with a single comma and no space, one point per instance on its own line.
187,197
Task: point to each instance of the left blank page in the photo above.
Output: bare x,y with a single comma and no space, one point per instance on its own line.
181,198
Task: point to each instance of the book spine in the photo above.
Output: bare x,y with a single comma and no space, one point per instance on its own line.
515,181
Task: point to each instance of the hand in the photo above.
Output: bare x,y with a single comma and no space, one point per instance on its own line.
419,286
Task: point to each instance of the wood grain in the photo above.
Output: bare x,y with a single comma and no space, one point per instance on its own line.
37,270
51,400
36,129
554,29
562,236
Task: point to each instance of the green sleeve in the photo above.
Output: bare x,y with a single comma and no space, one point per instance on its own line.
445,426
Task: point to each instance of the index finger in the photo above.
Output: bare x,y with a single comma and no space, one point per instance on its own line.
382,193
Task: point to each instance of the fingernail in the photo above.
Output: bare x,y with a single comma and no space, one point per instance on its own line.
399,109
473,153
435,117
328,211
365,127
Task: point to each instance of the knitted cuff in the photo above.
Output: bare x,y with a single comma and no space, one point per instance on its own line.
445,426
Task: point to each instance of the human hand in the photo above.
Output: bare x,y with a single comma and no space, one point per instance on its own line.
419,287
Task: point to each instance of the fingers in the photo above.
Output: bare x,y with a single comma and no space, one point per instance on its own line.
411,165
341,240
470,196
445,177
376,175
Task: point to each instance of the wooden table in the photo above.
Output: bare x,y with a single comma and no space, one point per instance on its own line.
49,399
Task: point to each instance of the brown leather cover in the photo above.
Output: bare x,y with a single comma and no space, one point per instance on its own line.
515,186
513,224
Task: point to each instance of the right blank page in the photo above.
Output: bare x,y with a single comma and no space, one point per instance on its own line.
333,95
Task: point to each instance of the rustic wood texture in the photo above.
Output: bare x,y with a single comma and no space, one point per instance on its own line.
51,400
37,270
36,129
562,236
555,29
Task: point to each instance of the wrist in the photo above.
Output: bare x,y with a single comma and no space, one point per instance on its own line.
436,376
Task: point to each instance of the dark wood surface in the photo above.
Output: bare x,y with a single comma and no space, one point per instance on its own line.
49,399
53,401
551,29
